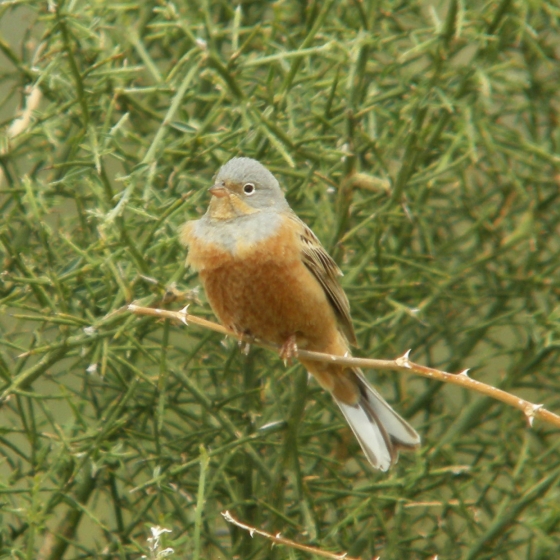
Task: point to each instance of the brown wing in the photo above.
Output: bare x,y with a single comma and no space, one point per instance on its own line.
322,266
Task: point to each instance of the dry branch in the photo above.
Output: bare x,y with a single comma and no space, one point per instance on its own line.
277,539
402,363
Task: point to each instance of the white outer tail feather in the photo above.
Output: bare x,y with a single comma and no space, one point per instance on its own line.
378,428
370,435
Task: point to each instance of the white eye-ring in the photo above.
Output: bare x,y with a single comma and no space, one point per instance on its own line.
249,189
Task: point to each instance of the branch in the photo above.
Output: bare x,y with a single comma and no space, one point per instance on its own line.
277,539
403,363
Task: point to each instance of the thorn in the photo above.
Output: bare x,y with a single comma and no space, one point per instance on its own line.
149,279
465,372
404,360
407,212
530,411
271,425
184,313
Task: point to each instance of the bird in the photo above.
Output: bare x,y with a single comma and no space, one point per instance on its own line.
267,276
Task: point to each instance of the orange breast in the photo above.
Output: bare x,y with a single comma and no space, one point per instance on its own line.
265,289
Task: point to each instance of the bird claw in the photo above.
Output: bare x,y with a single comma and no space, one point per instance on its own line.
289,350
245,347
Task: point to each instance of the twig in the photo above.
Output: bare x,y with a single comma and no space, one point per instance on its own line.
287,542
402,363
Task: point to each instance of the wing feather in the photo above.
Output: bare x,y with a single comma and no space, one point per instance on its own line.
323,267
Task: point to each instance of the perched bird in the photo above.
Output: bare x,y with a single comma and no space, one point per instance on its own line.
266,275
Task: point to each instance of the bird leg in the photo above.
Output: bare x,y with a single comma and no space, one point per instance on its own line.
289,349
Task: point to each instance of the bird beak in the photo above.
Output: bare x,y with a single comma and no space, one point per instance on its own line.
218,191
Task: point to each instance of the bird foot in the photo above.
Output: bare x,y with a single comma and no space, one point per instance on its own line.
289,350
245,345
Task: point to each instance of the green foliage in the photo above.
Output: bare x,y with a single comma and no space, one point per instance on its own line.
419,140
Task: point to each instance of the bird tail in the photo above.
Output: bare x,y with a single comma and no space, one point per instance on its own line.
380,431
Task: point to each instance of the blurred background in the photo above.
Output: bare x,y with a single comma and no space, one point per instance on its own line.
419,140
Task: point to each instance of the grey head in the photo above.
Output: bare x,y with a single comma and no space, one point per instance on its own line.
252,182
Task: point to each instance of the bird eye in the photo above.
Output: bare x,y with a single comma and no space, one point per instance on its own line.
248,189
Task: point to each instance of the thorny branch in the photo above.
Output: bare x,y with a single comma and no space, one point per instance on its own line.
277,539
403,363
